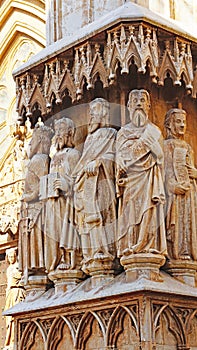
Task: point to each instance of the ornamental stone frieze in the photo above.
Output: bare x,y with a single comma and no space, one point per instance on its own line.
132,43
136,319
150,50
176,61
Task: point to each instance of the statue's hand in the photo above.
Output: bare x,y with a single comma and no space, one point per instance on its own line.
180,189
61,184
121,167
91,168
28,197
192,172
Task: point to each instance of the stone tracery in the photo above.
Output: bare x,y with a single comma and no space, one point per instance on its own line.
110,58
126,44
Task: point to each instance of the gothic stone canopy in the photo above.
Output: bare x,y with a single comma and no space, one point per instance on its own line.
128,48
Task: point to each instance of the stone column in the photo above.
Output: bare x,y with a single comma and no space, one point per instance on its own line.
145,316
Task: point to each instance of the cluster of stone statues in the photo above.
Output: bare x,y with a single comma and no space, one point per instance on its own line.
130,194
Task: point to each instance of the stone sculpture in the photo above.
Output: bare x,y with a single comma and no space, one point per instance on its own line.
140,189
95,191
62,246
31,234
14,294
181,189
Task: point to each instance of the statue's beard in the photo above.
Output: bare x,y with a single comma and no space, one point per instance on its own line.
139,117
92,127
59,143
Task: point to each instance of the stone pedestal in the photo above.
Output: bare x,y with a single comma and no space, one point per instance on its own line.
119,314
37,284
143,265
100,269
65,280
183,270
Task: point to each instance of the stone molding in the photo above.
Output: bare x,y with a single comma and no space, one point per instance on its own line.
152,51
144,315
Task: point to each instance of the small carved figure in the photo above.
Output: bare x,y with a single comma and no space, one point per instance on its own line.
139,180
181,189
94,186
31,235
62,246
14,294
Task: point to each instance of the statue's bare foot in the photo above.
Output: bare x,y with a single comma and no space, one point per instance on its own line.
63,266
93,218
85,260
127,251
100,256
185,257
154,251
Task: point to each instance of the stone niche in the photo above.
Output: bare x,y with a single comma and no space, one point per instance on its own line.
148,309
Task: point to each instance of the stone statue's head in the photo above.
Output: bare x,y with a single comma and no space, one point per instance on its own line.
11,255
99,114
64,133
175,123
41,140
138,106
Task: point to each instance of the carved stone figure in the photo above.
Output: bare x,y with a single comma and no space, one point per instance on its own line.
139,180
62,242
31,234
14,294
181,189
94,187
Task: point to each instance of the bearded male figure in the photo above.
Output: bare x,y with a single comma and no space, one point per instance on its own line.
62,241
94,188
31,226
140,189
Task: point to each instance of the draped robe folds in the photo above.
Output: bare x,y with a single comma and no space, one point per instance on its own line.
31,245
59,221
141,194
181,209
15,293
94,196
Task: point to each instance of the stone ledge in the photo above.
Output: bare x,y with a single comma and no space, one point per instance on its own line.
86,291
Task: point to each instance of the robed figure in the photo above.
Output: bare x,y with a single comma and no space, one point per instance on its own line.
15,293
61,240
140,188
181,189
31,226
94,188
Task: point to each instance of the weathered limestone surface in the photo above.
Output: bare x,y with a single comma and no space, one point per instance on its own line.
22,35
138,308
67,17
94,189
140,161
14,294
181,201
148,61
31,225
115,314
